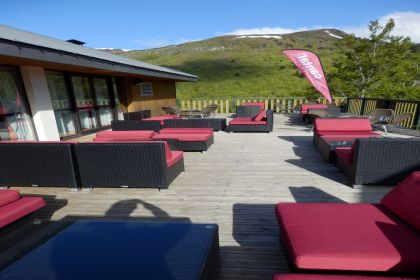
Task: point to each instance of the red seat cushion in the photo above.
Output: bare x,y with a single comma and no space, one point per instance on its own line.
304,108
186,131
345,153
162,118
260,116
339,236
404,200
124,139
146,134
296,276
175,156
19,208
342,124
238,121
7,196
183,137
261,104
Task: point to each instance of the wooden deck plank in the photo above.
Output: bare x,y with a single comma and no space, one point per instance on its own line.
235,184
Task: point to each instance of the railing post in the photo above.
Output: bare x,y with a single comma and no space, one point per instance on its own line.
363,106
416,120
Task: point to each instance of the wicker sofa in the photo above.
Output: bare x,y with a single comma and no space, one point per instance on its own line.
250,109
380,238
31,163
147,164
135,125
379,161
184,139
304,108
217,124
263,122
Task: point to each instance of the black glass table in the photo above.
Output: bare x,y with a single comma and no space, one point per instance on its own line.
123,250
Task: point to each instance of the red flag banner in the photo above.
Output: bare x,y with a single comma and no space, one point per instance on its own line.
309,65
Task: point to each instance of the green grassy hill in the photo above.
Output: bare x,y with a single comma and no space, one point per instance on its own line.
233,66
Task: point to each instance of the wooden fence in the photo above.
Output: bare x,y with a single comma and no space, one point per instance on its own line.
228,105
363,106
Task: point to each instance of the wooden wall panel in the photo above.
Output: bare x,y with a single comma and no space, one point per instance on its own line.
164,93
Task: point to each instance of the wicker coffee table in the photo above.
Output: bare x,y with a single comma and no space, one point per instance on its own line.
123,250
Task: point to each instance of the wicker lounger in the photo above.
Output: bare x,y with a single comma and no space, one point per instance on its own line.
268,127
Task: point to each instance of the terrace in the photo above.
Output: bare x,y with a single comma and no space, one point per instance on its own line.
235,185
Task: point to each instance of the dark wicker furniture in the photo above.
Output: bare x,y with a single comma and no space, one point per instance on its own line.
327,144
379,161
185,144
123,250
139,115
47,164
135,125
247,111
214,123
138,165
268,127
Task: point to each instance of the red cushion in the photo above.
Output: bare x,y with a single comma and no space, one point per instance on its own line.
126,134
126,139
305,107
404,200
342,124
236,122
261,104
7,196
260,116
186,131
176,155
355,134
345,153
19,208
339,236
296,276
183,137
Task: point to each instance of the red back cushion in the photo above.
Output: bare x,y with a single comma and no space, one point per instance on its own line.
342,124
404,200
126,134
260,116
305,107
261,104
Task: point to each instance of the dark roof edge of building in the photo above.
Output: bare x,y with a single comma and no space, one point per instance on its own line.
42,48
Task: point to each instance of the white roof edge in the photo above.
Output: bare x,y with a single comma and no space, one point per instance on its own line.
26,37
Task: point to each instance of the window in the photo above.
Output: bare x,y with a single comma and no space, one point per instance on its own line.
146,89
61,103
15,120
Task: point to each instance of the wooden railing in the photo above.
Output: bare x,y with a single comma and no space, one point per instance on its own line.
228,105
363,106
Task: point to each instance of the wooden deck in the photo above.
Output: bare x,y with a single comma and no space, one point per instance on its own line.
235,185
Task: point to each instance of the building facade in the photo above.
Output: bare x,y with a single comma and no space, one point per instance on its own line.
52,89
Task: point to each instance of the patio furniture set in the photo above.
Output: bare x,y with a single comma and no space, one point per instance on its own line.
354,241
365,157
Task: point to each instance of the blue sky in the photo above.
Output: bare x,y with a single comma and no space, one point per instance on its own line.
131,24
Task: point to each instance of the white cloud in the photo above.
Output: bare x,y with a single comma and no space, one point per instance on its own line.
406,24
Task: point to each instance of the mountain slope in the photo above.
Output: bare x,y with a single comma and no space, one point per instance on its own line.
246,66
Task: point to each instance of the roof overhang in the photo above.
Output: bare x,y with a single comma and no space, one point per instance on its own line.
38,53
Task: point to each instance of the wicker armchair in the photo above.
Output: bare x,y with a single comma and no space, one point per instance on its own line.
379,161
